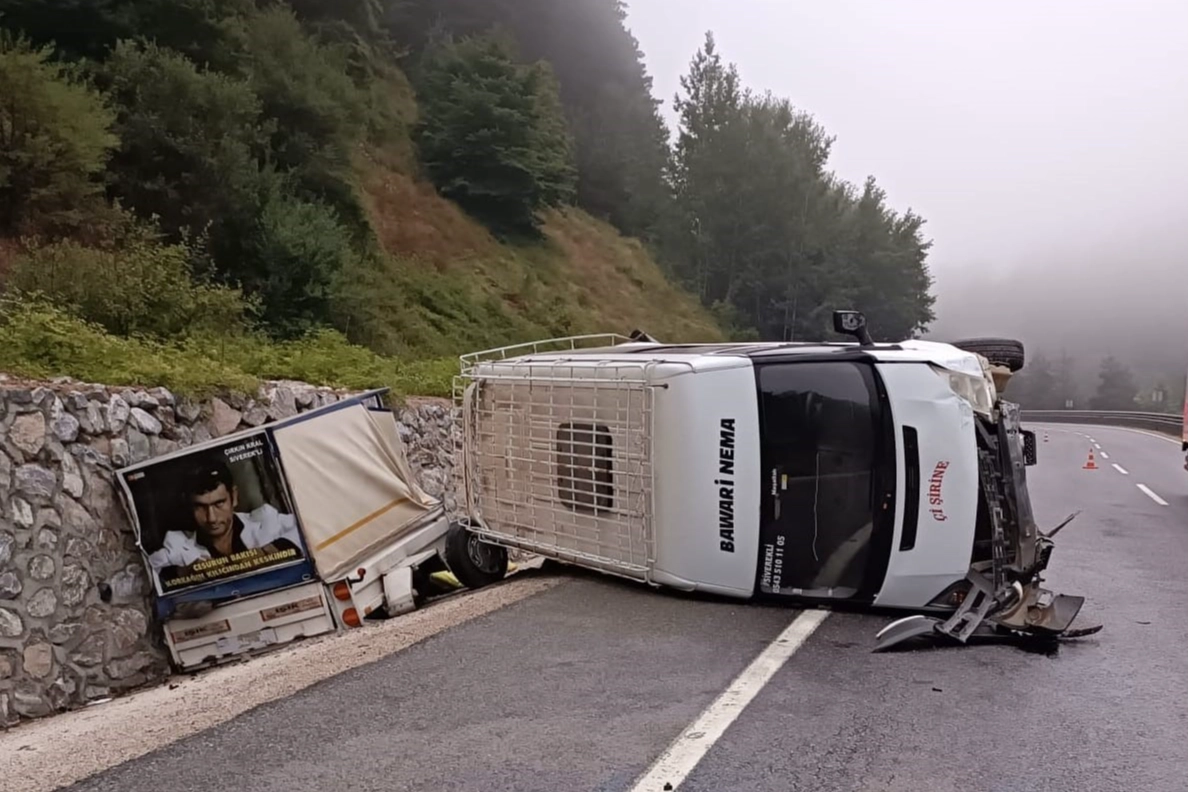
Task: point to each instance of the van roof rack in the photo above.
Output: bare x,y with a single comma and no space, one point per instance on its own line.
567,343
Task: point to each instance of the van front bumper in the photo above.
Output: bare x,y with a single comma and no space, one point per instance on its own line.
1003,597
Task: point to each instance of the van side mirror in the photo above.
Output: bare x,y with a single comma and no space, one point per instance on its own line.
853,323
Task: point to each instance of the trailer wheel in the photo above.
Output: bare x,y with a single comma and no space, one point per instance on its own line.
1005,352
474,562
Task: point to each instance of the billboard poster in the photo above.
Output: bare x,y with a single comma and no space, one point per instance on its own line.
212,514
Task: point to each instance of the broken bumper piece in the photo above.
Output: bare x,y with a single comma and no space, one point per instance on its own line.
978,624
1013,613
1000,606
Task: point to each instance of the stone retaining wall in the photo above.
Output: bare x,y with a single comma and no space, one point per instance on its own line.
75,603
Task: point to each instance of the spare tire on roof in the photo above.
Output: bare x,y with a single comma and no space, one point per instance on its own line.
1005,352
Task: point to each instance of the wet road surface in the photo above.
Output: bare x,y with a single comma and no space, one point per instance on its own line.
583,686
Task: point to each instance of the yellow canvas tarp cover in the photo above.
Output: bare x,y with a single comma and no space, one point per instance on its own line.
352,484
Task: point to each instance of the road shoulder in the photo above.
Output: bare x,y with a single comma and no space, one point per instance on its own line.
47,754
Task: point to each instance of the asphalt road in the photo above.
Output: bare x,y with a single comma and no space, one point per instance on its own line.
583,686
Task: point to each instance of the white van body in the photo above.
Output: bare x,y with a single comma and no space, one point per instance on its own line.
823,472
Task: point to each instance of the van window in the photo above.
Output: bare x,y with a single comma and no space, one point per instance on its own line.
821,446
584,481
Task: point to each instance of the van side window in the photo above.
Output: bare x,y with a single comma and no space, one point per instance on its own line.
584,481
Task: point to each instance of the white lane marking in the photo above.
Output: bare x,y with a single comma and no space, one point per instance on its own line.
1115,465
1097,446
1105,455
673,766
1152,495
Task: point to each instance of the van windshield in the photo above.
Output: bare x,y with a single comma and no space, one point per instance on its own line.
827,456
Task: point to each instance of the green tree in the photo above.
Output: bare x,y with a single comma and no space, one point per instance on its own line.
360,28
190,142
55,139
621,142
760,224
1065,386
492,136
355,35
315,112
620,139
707,175
362,18
1035,386
90,28
1116,386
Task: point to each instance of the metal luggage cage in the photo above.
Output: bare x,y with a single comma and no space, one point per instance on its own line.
591,341
557,453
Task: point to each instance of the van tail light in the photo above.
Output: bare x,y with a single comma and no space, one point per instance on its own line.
351,617
342,591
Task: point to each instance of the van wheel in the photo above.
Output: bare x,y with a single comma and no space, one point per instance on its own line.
1006,352
474,562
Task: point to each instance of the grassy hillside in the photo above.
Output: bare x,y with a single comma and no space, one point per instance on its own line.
450,286
582,277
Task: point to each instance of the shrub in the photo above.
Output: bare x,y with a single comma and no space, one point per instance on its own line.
295,252
144,287
40,340
326,357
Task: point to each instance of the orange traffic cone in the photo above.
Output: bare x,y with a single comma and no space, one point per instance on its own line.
1090,462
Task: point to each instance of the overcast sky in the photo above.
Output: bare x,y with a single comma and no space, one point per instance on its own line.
1045,142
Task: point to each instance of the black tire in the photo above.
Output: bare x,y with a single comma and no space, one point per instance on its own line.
474,562
1000,351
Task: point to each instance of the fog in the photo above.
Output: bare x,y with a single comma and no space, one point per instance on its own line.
1045,144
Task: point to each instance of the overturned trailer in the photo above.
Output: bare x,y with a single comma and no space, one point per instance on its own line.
299,528
821,474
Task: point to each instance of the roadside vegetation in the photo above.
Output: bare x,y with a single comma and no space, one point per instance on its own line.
203,193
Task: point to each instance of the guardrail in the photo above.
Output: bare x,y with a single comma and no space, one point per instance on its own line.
1166,423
